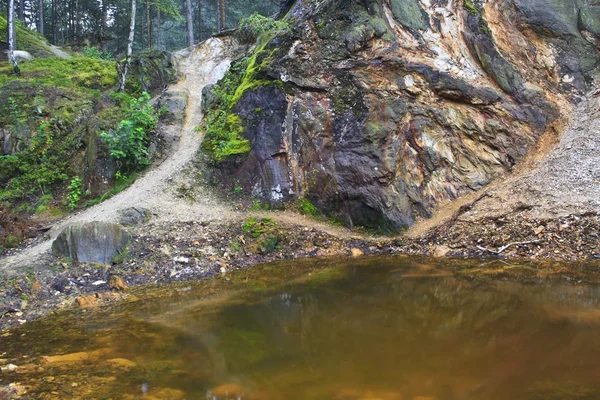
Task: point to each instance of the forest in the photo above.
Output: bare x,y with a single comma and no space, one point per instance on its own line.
104,25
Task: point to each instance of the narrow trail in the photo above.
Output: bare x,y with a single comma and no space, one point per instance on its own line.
199,66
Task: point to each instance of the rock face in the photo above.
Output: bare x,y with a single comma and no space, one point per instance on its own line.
93,242
379,111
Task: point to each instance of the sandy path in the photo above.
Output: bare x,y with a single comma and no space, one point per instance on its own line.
155,190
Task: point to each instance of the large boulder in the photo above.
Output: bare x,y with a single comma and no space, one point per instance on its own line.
92,242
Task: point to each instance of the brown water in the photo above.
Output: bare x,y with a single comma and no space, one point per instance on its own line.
372,329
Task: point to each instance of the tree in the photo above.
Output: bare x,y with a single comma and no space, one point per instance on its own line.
190,23
222,3
148,25
125,67
41,17
200,24
12,40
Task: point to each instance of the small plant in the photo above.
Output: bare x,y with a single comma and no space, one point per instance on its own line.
94,52
265,233
238,190
305,207
128,142
75,192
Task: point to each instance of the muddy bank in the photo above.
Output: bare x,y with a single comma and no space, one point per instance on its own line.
516,236
164,253
187,251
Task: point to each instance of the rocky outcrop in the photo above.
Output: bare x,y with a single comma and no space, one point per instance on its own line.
91,242
379,111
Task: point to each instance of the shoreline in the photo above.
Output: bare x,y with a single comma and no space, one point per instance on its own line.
165,253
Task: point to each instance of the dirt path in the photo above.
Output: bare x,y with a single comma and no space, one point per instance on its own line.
156,189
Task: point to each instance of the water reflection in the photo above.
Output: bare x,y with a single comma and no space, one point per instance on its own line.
387,329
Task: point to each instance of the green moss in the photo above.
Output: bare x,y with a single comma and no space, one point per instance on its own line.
224,129
470,7
79,72
483,25
11,241
305,207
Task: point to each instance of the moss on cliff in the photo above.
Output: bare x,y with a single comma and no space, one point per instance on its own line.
224,129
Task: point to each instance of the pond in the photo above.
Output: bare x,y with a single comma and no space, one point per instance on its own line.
380,328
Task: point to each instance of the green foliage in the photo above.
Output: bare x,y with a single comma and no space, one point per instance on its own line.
257,226
11,241
128,142
305,207
256,25
94,52
41,165
265,232
74,193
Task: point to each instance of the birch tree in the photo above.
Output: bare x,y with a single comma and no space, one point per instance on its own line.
12,41
125,68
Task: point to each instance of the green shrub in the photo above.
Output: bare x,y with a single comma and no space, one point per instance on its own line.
305,207
42,164
128,142
265,234
94,52
74,192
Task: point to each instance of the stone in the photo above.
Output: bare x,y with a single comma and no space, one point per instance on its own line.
91,242
134,216
356,252
440,251
117,283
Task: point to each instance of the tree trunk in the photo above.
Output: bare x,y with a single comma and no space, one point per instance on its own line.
76,20
142,30
54,30
218,19
148,25
12,41
158,28
22,11
41,16
102,32
129,47
222,14
190,23
200,20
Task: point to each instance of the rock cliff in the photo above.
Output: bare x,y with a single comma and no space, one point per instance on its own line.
380,111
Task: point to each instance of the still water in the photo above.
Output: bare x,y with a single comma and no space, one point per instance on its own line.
383,328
